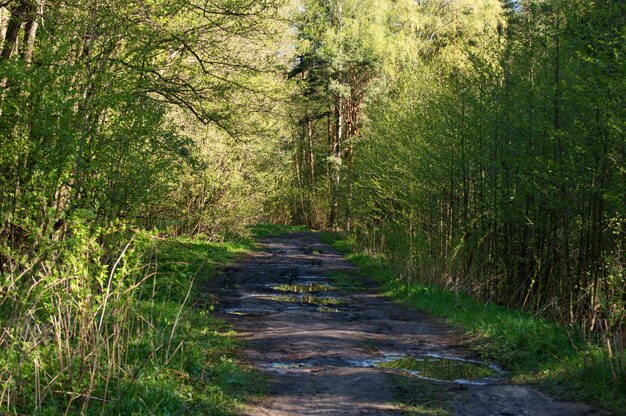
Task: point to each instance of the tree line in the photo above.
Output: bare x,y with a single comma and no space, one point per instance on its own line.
476,145
121,123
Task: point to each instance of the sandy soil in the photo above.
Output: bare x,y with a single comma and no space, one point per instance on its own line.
320,353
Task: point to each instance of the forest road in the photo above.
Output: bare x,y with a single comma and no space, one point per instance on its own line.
325,344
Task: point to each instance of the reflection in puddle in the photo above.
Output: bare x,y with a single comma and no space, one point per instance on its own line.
248,312
443,369
434,367
304,287
374,362
321,309
439,369
308,299
284,367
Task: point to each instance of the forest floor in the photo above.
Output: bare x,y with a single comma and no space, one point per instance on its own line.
330,344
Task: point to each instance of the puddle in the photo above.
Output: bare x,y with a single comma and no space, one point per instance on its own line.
444,369
304,287
374,362
305,298
328,309
248,312
436,368
287,367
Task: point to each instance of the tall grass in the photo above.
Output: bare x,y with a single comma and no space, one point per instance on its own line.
102,321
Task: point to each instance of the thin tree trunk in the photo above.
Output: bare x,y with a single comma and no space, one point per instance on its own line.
30,32
4,21
335,168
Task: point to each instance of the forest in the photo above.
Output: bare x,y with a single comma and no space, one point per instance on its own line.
473,145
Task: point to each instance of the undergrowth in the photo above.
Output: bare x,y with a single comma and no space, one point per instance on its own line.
533,349
112,321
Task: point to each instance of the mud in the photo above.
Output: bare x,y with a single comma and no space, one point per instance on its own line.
335,356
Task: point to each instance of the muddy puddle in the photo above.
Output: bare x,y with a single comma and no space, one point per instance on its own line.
307,287
307,299
444,369
281,367
247,311
437,369
307,277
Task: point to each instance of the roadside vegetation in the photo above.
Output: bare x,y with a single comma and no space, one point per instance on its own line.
141,340
534,349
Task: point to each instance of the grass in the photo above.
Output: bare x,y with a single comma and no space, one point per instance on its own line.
195,371
345,282
164,353
535,350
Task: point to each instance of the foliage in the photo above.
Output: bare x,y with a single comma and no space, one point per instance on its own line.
475,145
118,117
271,230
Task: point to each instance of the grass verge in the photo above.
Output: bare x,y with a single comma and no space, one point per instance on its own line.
113,321
535,350
185,363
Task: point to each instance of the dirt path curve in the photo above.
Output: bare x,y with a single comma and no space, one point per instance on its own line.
322,345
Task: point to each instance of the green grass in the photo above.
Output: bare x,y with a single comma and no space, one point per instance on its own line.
535,350
200,374
162,351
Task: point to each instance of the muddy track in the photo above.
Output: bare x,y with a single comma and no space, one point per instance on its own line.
324,344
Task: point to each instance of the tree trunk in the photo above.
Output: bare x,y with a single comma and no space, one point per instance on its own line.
30,31
335,175
4,21
13,30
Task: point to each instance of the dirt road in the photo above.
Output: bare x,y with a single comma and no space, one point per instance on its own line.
332,347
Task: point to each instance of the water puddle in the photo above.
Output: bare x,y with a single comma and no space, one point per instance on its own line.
329,309
313,308
374,362
434,367
286,367
444,369
248,312
304,287
306,298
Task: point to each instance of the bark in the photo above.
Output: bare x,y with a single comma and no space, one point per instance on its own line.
336,151
30,31
4,21
13,30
